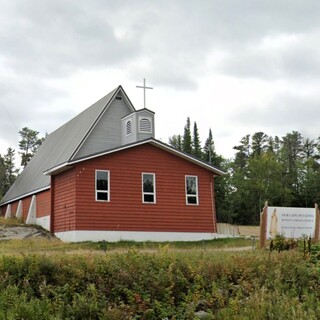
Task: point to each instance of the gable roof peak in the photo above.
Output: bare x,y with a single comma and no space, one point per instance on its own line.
60,146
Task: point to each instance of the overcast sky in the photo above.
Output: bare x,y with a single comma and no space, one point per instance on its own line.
237,67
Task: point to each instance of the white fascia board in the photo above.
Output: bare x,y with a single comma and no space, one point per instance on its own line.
160,145
128,116
54,169
128,146
26,195
189,158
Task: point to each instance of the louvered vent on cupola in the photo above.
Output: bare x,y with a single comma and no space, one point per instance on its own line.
145,125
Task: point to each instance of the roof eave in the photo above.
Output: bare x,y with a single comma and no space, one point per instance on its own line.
24,195
188,157
152,141
58,169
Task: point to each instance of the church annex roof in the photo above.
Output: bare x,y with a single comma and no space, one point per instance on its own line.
58,148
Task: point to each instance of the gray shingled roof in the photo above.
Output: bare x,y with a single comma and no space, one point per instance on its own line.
57,149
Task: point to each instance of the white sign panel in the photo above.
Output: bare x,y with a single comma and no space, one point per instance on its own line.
291,222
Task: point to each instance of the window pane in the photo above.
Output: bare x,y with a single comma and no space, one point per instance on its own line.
191,185
148,198
192,200
102,196
147,183
102,180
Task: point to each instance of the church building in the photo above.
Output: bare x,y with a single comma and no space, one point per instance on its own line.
104,176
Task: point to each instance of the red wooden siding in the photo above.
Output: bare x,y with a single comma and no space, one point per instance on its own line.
64,201
25,207
43,204
14,207
125,211
3,210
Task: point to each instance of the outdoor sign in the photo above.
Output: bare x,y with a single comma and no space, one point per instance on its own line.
291,222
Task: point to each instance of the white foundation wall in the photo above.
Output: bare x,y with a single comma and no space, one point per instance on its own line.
44,222
140,236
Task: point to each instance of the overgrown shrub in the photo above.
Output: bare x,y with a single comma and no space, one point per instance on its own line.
280,243
160,285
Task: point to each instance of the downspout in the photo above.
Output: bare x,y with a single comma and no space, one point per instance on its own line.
214,214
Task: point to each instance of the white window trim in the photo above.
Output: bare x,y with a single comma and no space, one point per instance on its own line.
191,195
149,193
102,191
139,120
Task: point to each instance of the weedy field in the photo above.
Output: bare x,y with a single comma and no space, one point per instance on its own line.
48,279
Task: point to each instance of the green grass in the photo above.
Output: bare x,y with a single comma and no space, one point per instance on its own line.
55,245
42,245
11,222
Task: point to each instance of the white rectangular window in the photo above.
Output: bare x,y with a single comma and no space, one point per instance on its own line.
148,188
192,190
102,185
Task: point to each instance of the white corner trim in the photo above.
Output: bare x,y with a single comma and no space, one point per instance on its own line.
32,213
19,210
139,236
8,212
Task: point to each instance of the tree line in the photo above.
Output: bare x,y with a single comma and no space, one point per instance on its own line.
285,171
28,145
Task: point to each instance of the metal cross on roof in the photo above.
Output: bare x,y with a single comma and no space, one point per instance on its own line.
144,87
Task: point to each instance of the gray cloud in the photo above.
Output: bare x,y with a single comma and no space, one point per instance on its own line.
284,113
291,57
168,42
51,38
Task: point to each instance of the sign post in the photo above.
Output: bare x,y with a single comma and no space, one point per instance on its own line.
263,226
317,231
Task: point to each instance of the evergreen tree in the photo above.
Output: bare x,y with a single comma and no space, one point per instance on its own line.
8,173
309,173
259,143
196,144
290,156
186,143
209,153
243,154
11,171
28,144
